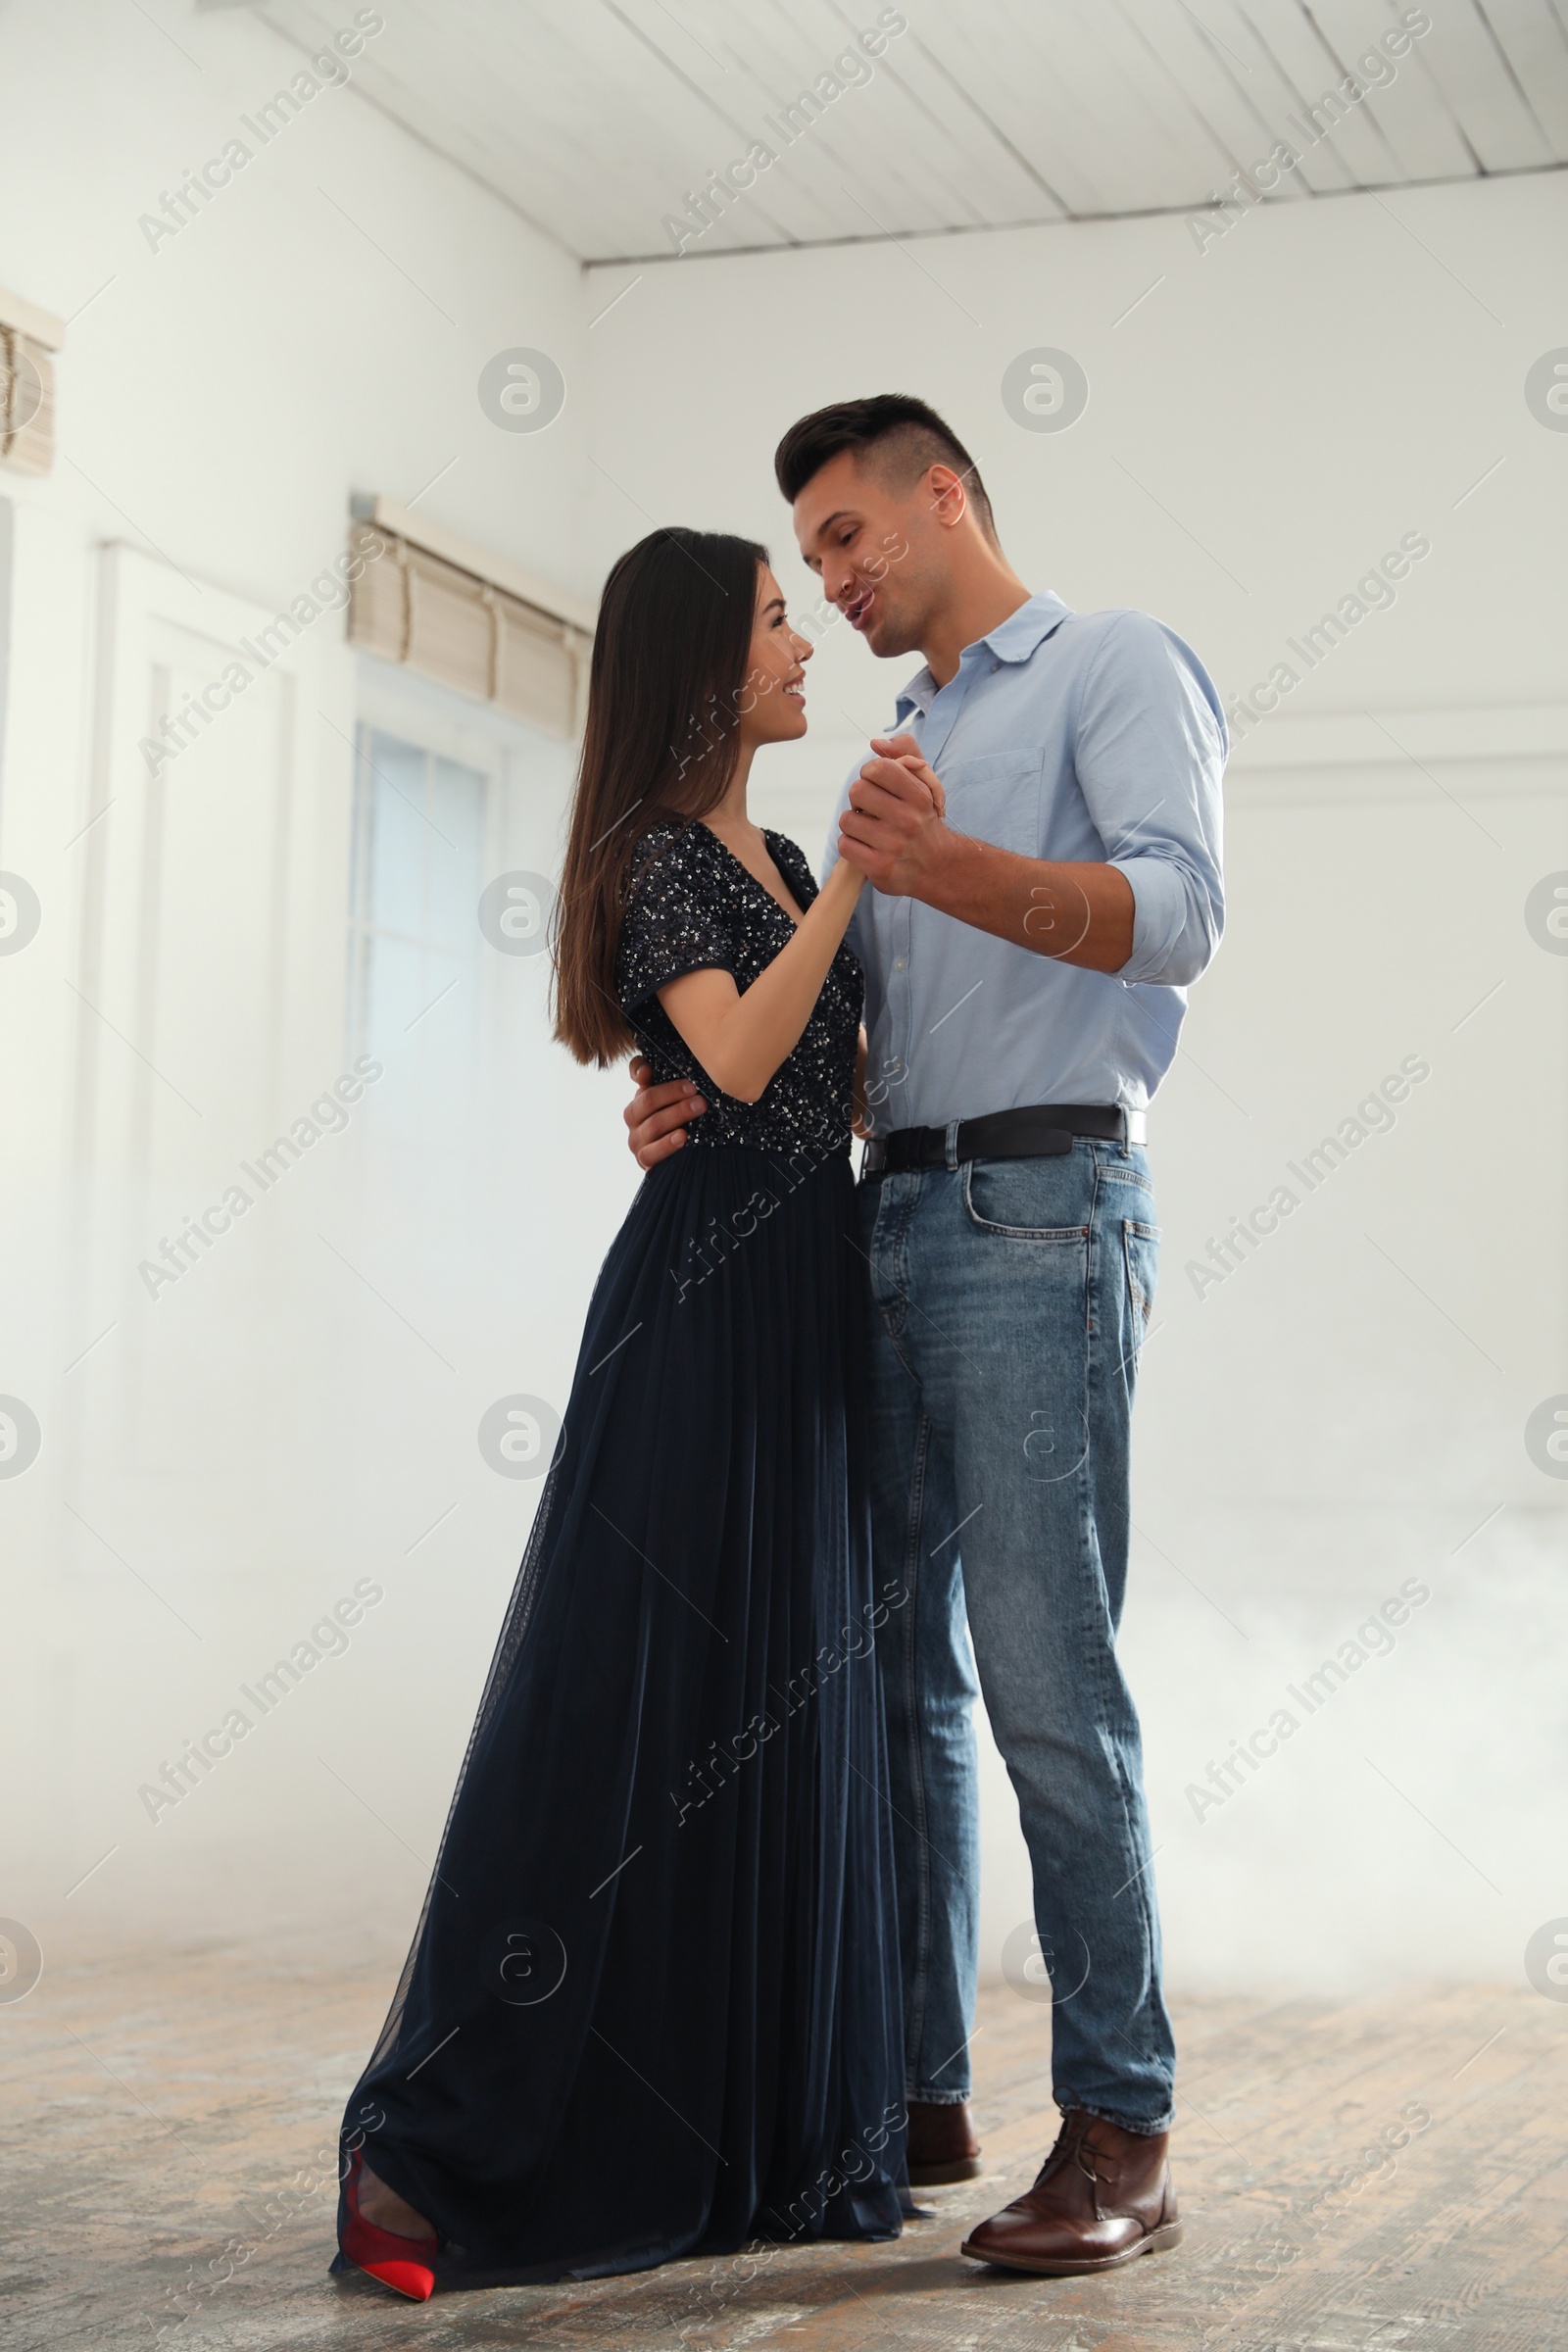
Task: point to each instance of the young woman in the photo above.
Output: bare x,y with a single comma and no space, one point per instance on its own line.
652,2007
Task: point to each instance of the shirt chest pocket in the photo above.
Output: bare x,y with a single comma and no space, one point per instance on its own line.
997,798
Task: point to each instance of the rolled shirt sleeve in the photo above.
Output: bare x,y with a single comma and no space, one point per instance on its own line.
1070,737
1148,749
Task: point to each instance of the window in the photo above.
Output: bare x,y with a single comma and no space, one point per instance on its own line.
448,798
421,827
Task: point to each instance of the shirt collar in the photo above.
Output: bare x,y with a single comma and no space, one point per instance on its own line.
1014,640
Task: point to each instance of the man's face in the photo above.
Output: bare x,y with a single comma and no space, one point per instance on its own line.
879,550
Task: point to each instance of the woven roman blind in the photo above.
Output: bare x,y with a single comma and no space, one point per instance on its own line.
26,402
410,606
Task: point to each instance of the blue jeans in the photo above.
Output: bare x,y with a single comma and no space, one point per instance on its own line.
1012,1297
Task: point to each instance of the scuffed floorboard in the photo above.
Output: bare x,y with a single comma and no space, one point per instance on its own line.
1353,2177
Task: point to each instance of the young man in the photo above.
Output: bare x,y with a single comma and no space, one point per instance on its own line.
1042,838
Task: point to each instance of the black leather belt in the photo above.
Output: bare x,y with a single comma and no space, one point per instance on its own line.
1036,1131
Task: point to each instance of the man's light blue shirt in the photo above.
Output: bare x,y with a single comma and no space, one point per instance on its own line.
1080,736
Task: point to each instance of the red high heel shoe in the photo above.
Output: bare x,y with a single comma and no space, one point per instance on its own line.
395,2260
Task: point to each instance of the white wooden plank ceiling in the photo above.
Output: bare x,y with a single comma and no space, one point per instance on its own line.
597,119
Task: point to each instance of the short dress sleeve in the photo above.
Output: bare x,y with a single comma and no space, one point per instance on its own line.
675,921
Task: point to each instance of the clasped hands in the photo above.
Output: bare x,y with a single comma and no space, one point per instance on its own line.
895,828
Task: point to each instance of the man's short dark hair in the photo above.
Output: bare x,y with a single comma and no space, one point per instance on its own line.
908,436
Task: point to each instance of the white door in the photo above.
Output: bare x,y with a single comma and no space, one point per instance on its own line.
209,993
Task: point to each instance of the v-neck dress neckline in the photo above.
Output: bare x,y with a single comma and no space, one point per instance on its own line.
692,906
769,837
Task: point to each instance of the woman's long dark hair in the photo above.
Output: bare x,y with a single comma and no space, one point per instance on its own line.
669,659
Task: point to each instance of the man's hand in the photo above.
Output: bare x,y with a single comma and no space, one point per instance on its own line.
906,751
656,1115
895,828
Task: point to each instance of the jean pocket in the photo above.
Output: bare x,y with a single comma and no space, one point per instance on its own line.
1141,1253
1027,1200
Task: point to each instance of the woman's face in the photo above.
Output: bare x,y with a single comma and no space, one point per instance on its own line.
771,706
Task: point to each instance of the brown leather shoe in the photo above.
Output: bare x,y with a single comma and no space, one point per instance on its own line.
1101,2196
942,2145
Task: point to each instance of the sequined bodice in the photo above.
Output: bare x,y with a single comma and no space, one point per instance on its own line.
692,904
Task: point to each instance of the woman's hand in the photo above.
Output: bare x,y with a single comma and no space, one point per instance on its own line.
895,828
908,753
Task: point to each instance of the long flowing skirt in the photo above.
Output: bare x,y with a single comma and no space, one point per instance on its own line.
652,2006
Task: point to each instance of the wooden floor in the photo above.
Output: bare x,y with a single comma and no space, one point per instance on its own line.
1352,2175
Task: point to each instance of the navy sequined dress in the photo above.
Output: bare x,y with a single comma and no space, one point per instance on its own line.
652,2007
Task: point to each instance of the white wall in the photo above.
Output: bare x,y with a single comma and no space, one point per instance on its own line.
234,1454
1276,412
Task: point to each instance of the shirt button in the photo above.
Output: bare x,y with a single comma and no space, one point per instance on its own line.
899,966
